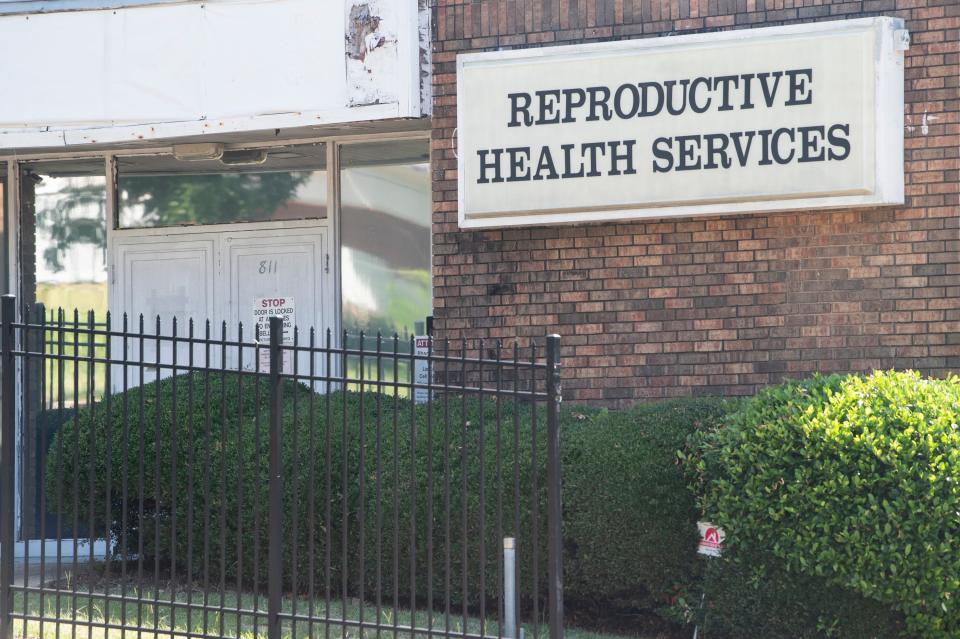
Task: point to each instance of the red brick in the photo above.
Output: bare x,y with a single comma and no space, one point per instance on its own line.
750,297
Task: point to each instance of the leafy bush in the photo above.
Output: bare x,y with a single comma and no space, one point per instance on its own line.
628,538
852,480
629,518
754,595
175,458
203,439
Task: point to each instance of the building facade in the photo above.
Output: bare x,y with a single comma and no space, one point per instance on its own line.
344,161
299,160
722,303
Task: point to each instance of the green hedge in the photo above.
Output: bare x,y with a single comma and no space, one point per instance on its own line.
850,480
218,454
629,517
628,533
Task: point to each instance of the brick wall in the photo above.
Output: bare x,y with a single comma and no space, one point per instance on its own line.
718,305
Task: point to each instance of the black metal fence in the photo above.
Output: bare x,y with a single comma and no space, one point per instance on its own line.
195,481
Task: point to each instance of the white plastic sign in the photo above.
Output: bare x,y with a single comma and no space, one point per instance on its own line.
781,118
264,308
711,539
421,367
277,306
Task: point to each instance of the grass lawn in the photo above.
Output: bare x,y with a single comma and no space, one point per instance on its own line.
83,296
151,621
87,296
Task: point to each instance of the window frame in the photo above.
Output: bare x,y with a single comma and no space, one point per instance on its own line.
339,242
16,269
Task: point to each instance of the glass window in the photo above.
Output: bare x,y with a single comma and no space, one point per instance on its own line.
385,229
63,264
64,235
285,183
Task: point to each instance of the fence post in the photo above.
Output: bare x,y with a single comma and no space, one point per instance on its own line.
8,389
274,543
554,505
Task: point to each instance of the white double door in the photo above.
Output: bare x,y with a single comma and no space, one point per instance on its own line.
225,275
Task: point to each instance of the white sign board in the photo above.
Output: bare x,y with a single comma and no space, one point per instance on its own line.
796,117
711,539
177,69
421,367
264,308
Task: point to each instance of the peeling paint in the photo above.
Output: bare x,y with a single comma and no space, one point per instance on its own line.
371,52
363,32
424,24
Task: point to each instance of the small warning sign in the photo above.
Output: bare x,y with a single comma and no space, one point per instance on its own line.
263,309
421,367
711,539
263,360
266,307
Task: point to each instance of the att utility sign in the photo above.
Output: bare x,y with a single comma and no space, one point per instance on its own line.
798,117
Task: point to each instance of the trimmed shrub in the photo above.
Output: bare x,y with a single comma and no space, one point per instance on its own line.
629,537
629,517
852,480
203,439
782,405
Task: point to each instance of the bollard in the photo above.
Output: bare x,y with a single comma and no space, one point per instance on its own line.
509,588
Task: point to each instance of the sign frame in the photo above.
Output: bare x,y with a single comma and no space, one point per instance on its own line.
888,170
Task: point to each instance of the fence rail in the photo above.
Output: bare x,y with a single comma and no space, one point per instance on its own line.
296,485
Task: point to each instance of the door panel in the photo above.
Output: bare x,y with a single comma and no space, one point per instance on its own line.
287,268
164,279
221,276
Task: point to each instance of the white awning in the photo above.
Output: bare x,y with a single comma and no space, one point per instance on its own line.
78,78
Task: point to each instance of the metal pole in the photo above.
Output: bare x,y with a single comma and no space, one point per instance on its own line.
554,506
275,551
8,389
509,588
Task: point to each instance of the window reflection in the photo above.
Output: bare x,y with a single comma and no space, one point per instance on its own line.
385,235
287,183
65,255
63,264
